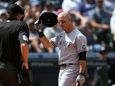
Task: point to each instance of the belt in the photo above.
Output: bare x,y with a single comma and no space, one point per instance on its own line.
64,65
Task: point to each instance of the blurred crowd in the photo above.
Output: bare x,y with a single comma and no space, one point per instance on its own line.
94,18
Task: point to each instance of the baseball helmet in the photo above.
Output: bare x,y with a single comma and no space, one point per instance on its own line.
48,19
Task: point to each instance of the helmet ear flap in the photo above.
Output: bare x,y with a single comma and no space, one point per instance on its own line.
48,19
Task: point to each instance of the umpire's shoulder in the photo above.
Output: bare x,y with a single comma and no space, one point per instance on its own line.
21,23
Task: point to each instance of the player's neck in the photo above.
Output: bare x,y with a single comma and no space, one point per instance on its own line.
70,29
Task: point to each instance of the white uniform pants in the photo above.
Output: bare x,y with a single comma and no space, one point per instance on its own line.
67,75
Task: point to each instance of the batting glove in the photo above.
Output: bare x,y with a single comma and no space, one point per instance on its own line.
39,27
80,80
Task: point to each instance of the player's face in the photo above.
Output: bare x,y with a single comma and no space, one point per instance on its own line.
99,3
65,23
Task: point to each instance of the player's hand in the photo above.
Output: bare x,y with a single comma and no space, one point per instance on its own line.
105,26
38,26
80,80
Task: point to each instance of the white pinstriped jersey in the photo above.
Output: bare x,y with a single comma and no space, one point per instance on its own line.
70,45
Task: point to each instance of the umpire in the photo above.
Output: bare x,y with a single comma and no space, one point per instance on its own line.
14,48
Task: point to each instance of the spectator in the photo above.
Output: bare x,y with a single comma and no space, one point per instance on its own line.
21,2
112,28
49,6
68,5
34,42
28,12
109,5
100,22
35,9
81,9
3,14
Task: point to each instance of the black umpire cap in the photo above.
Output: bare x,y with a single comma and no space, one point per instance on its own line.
15,9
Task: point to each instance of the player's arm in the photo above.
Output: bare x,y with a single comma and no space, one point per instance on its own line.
80,80
47,44
82,62
82,49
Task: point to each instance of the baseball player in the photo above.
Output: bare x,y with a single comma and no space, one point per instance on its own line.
72,46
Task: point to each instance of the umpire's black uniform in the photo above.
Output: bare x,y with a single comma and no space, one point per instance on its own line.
13,32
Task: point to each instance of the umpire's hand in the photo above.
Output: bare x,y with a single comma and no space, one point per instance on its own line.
25,69
25,66
80,80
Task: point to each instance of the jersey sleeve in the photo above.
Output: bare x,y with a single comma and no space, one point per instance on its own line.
23,35
81,43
